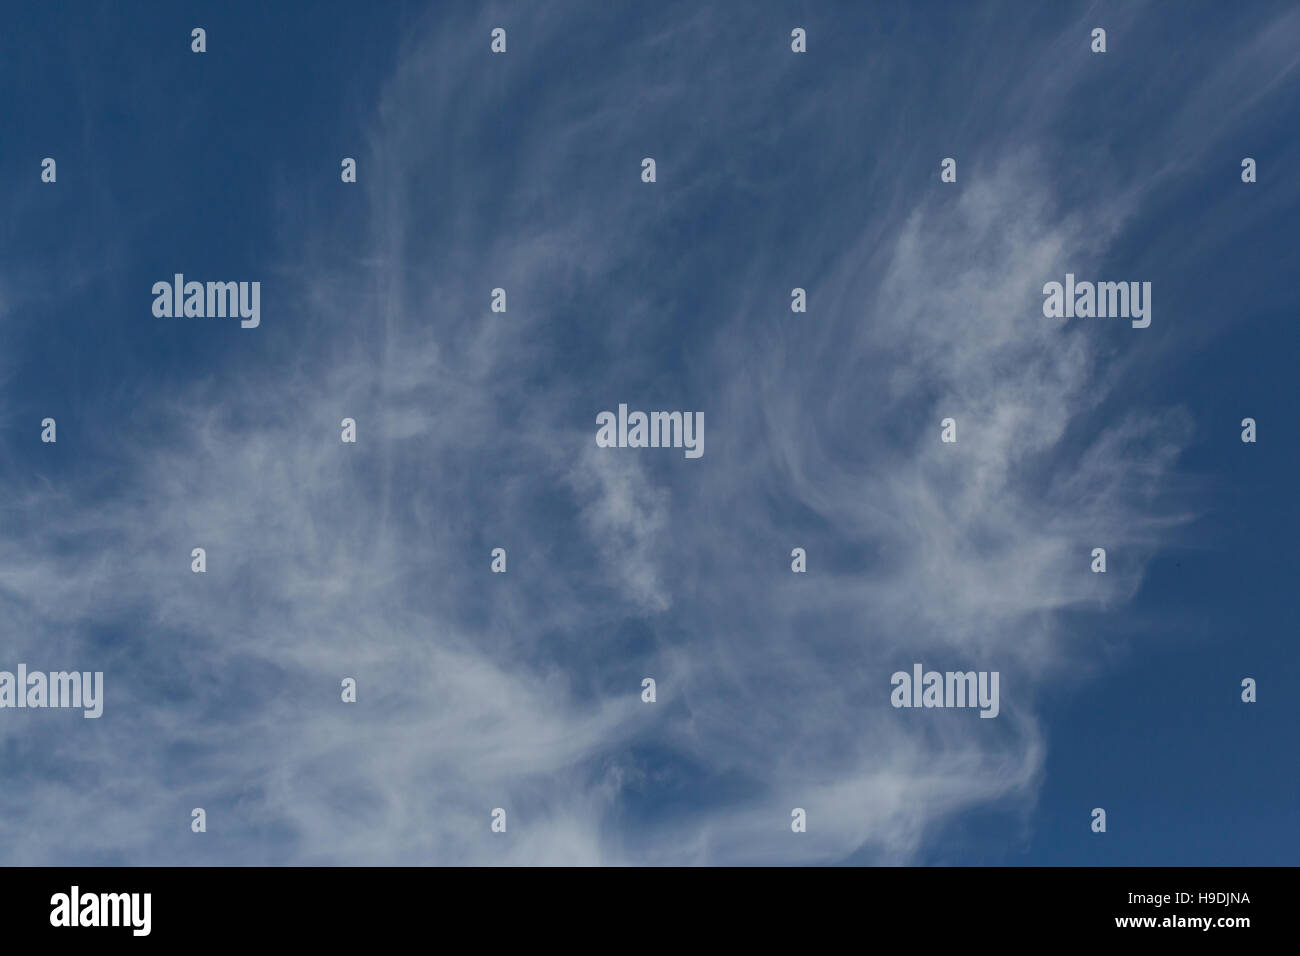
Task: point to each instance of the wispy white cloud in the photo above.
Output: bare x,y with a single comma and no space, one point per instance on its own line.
477,430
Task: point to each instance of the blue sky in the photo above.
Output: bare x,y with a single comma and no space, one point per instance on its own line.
476,430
